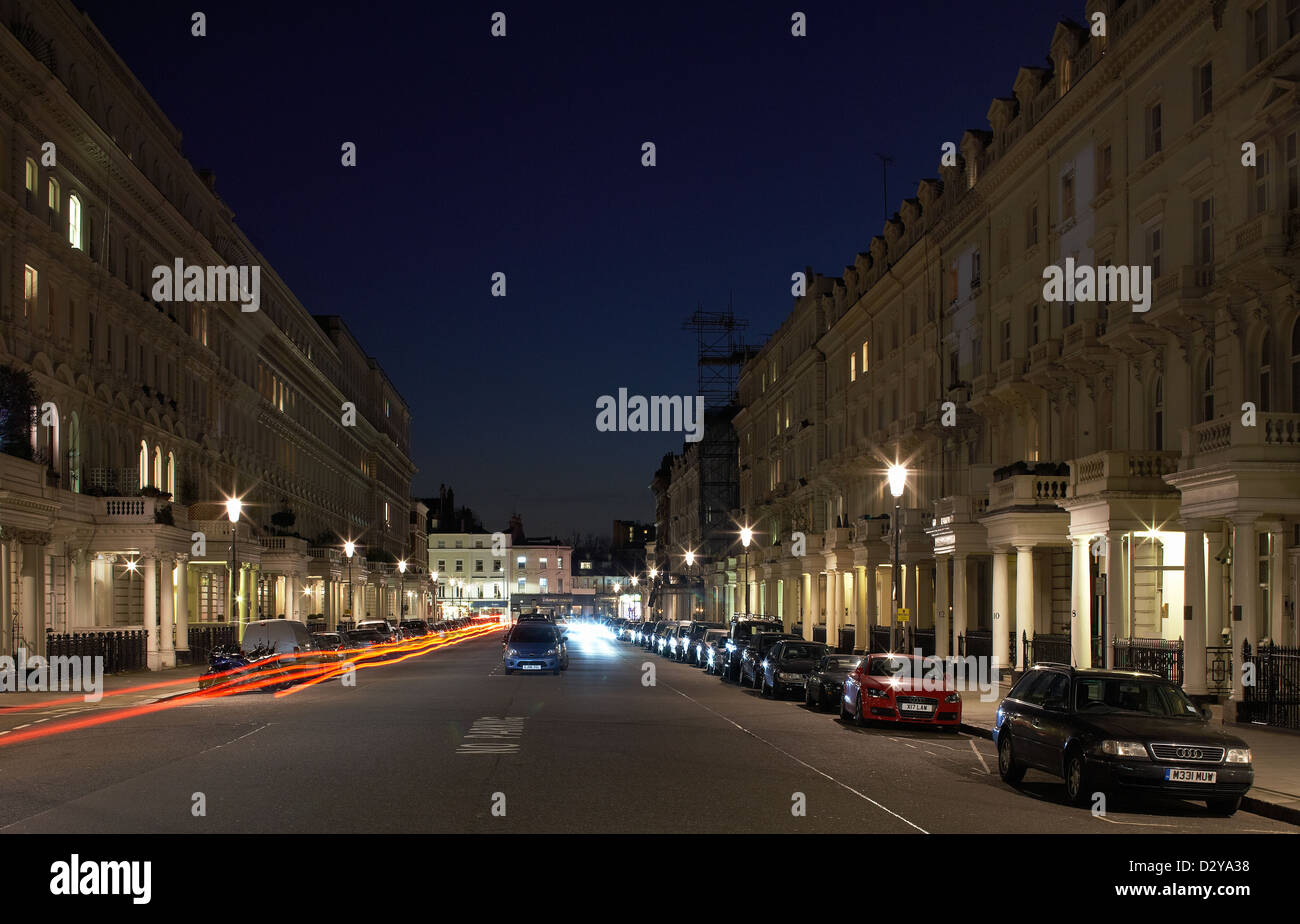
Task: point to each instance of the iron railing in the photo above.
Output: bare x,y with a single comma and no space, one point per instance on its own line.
1048,648
121,651
1274,697
1218,669
204,638
1157,655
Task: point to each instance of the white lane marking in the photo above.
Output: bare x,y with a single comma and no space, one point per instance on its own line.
233,740
16,727
979,755
797,760
1140,824
502,736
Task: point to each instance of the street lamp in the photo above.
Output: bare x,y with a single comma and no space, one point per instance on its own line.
234,506
433,576
401,567
617,589
349,548
897,481
746,537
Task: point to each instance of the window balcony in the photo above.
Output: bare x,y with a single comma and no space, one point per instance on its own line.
1139,472
1225,441
1028,484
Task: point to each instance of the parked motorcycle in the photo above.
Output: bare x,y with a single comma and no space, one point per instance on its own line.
227,663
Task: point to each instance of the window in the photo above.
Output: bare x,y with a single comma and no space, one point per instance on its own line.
521,563
478,566
541,564
496,565
55,197
1260,188
144,464
1291,20
1067,196
521,585
74,221
1158,415
1155,241
1205,232
1154,126
865,344
1031,225
1258,35
1295,367
1006,340
972,171
1063,69
1033,322
1291,170
974,279
542,585
953,368
1204,90
1266,372
460,565
442,565
1104,171
853,367
1207,391
31,291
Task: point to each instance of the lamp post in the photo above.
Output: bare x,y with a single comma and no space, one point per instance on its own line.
234,506
401,567
690,565
897,481
349,548
433,576
746,537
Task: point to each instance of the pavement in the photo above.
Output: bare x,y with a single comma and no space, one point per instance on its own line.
621,742
1275,752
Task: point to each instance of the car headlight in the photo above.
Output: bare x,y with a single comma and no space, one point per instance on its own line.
511,653
1125,749
550,651
1238,756
952,698
877,694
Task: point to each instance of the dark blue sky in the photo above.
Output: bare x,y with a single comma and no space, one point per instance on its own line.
523,155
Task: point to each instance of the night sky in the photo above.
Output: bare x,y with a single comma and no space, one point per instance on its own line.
523,155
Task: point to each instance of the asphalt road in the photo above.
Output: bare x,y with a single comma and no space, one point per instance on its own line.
447,743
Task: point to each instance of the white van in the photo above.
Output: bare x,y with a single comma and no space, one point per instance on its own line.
282,636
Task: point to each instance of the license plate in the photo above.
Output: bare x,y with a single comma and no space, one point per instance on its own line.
1174,775
915,707
530,667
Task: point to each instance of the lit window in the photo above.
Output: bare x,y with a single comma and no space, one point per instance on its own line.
55,198
1067,196
865,344
74,221
31,175
31,290
1154,130
853,368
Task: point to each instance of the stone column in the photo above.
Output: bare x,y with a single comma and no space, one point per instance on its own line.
1194,612
1215,618
31,596
1080,621
814,603
1001,607
1245,594
959,589
874,617
166,609
182,605
6,601
1024,623
149,568
941,646
1277,584
834,596
1116,594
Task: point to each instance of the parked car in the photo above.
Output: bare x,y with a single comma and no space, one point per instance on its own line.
787,666
710,650
689,651
742,627
1109,730
674,635
533,645
363,638
335,642
752,655
415,628
387,631
650,640
895,688
826,681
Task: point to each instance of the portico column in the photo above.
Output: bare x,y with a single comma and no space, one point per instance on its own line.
1245,593
1001,647
1215,619
814,603
941,649
873,597
1116,594
1194,615
31,596
1080,608
182,605
959,587
834,595
166,643
290,596
855,606
150,569
1276,584
1024,601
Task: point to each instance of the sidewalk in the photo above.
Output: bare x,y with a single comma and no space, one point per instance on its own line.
1276,754
170,682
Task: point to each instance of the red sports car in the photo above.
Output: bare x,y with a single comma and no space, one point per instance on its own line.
901,688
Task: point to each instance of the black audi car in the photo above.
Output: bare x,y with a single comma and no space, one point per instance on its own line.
825,683
1118,731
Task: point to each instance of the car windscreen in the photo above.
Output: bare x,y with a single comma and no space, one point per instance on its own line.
1131,696
888,667
524,634
802,652
748,629
842,664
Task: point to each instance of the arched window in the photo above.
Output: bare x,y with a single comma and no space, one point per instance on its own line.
171,474
1159,413
1207,391
1266,372
74,454
144,464
74,221
1295,367
55,199
157,467
31,181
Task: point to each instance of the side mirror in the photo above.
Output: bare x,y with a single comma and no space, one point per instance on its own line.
1054,705
1207,713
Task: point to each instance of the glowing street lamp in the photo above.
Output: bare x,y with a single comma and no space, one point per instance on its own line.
897,481
746,537
401,567
234,507
349,549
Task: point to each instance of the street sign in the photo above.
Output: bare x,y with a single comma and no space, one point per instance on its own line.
903,613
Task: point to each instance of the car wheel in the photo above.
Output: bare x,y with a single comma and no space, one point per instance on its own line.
1008,769
1224,805
807,696
1077,790
858,717
844,713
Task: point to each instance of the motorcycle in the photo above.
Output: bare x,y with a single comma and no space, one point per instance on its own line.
225,664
